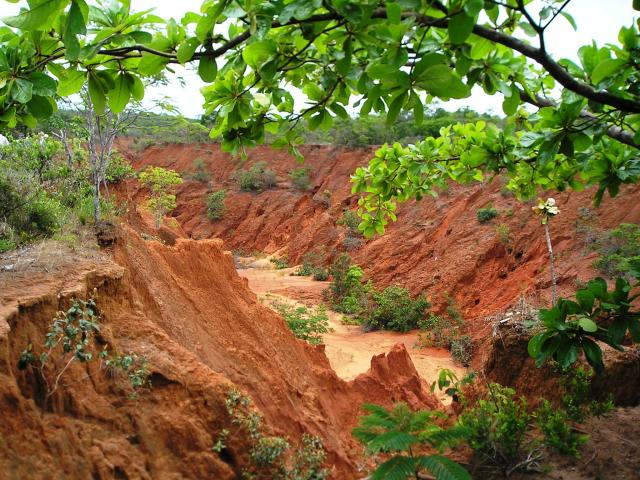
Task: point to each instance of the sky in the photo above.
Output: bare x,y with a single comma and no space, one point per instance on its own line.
598,20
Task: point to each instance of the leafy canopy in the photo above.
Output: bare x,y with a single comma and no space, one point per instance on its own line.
387,56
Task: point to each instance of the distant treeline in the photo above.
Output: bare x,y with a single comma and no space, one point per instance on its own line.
152,128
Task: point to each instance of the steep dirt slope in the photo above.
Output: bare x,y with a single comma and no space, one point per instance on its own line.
436,246
203,330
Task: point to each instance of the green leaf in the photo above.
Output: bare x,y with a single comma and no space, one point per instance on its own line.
150,64
570,19
460,27
38,17
586,299
120,94
71,83
393,12
187,49
395,107
442,468
593,354
480,48
96,94
75,24
440,81
258,53
207,69
512,102
40,107
617,330
21,90
588,325
135,86
396,468
605,69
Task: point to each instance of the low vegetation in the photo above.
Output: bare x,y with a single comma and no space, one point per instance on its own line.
353,238
160,182
200,172
270,457
486,214
389,309
215,204
46,191
618,250
300,178
73,338
306,324
255,178
402,433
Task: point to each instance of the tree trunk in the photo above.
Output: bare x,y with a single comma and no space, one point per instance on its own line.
96,200
552,268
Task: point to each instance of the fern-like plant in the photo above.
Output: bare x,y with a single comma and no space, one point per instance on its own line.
401,432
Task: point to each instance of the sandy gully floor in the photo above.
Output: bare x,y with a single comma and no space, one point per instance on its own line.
348,348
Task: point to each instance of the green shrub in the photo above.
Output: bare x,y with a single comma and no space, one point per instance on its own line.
350,220
200,172
496,426
280,263
557,430
307,325
312,265
504,233
462,350
118,169
270,456
618,250
577,399
258,177
402,433
320,274
486,214
442,330
393,309
340,286
215,204
300,178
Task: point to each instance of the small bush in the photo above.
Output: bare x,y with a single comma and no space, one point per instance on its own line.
352,243
486,214
618,250
350,221
215,204
312,264
577,400
300,178
320,274
462,350
119,169
558,433
200,172
395,310
496,426
257,178
307,325
504,233
280,263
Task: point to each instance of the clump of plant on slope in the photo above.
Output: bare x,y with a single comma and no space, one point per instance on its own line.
161,182
306,324
270,457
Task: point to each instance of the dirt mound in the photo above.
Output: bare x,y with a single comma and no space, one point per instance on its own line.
437,245
185,308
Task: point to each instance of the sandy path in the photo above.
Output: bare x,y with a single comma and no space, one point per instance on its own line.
348,348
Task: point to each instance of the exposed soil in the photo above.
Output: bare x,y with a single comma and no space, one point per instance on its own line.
436,246
203,331
348,348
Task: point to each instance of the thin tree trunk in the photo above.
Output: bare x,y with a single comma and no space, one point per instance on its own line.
552,268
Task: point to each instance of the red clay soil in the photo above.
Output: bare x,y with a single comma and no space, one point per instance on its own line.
186,309
437,245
